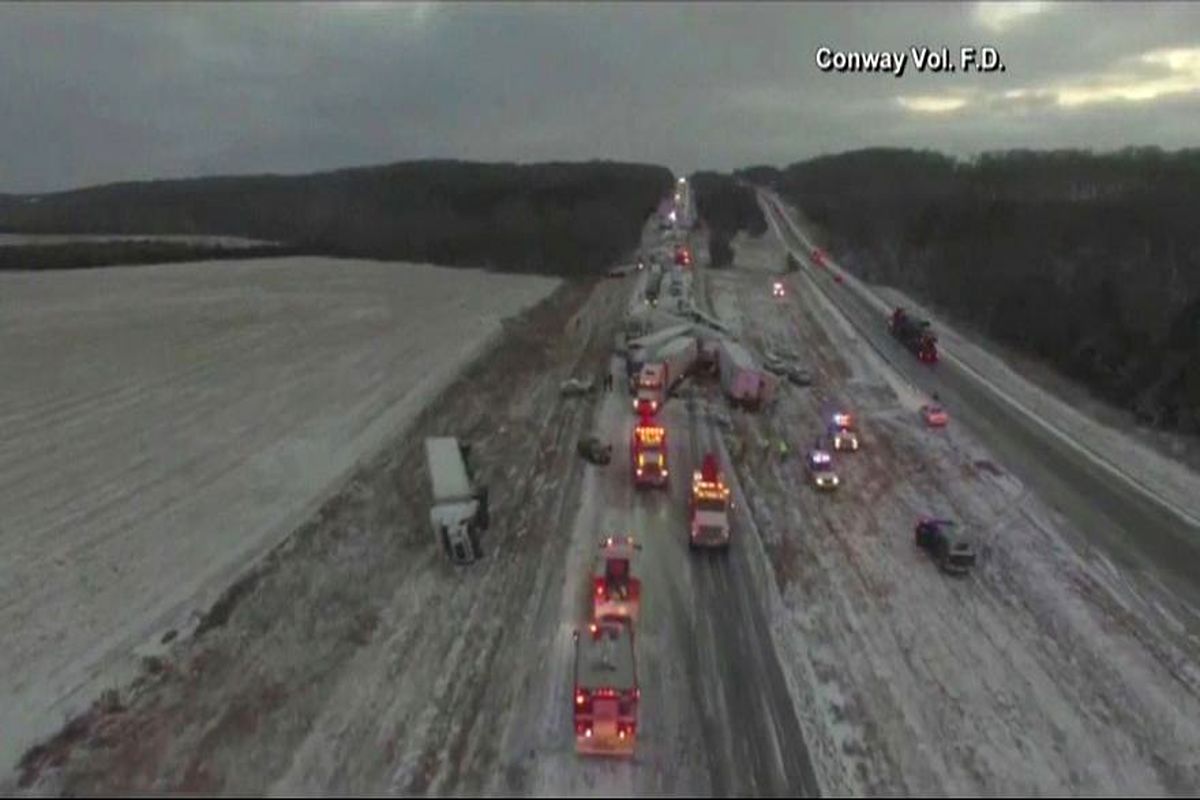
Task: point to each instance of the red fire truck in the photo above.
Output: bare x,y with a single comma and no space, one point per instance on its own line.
649,453
616,591
606,689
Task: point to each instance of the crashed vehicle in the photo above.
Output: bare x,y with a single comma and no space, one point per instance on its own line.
798,376
951,547
617,592
594,450
575,387
821,471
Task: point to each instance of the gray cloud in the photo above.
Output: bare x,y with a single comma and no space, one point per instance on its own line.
96,92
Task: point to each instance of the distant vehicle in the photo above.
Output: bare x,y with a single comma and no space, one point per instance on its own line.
651,389
774,364
798,376
683,256
915,335
617,591
953,550
934,415
818,256
593,449
844,429
605,700
837,277
777,289
710,506
649,454
820,469
641,265
460,509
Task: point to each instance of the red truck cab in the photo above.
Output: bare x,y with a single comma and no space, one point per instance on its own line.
617,592
606,696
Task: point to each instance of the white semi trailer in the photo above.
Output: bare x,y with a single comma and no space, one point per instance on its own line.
743,380
459,513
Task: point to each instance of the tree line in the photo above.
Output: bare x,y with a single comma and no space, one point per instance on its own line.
1090,262
570,219
727,206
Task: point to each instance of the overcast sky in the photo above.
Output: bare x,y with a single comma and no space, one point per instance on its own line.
98,92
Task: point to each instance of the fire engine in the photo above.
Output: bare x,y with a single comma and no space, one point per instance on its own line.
616,592
710,507
606,693
649,454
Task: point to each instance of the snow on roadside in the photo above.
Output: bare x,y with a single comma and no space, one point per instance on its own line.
1169,479
196,414
26,239
1031,676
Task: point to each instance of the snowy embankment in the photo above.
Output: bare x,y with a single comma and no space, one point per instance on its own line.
1173,483
162,427
30,239
1041,672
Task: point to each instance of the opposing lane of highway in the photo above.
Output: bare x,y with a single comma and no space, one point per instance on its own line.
1130,525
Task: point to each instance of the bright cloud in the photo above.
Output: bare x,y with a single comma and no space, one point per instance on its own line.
1000,17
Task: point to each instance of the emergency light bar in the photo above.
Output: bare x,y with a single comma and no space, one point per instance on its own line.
820,458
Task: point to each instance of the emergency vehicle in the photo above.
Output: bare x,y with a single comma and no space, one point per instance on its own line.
649,453
616,591
710,504
606,695
843,430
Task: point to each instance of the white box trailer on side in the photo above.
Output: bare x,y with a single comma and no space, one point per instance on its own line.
678,356
459,511
742,379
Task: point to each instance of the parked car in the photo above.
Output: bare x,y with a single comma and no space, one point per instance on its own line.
594,450
950,545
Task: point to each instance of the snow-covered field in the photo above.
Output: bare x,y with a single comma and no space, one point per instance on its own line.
21,239
162,427
1040,673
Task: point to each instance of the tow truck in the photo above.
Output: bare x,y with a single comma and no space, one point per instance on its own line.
710,506
617,593
649,454
820,469
844,431
606,693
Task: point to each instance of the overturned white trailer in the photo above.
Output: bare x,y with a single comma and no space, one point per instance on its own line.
743,380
